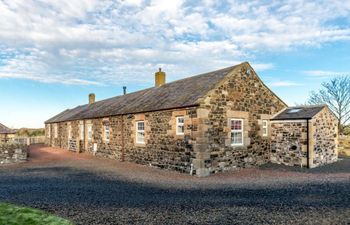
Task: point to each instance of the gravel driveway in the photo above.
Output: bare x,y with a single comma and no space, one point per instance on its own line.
90,190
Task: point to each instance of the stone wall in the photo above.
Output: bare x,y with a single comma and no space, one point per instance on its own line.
323,138
162,148
206,145
13,153
344,145
289,142
240,95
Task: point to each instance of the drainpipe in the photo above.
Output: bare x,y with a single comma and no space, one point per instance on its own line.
123,147
84,139
308,145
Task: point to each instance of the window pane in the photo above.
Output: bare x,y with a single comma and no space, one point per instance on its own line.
106,132
140,132
140,137
180,129
236,124
236,138
90,131
140,126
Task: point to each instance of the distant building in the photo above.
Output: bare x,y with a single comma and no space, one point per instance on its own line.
203,124
6,133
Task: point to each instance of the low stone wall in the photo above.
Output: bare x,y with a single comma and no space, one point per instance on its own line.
13,153
344,145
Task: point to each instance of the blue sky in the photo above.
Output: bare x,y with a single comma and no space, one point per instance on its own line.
54,53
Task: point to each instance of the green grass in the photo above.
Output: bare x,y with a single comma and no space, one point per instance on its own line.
15,215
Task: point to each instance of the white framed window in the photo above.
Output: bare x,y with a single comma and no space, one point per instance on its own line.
89,131
236,132
106,132
55,130
180,125
69,128
140,132
81,130
49,130
265,129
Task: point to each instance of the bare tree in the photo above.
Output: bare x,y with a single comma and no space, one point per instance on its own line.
336,94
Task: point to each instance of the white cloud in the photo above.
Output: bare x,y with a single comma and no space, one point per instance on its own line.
96,42
325,73
262,66
283,84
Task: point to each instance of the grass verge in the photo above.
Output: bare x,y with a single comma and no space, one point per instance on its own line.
15,215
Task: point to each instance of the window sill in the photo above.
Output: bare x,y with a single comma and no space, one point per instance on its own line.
237,145
140,144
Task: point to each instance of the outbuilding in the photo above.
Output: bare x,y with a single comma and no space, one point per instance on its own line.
6,133
305,136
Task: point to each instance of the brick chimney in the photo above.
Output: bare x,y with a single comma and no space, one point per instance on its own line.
160,78
91,98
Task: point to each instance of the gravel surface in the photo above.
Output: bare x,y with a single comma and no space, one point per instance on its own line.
90,190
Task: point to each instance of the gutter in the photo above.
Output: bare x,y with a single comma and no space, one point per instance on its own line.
121,114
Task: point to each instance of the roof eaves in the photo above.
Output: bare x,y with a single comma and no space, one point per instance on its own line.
122,114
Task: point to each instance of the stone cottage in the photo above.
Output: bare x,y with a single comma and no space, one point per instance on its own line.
304,136
6,133
203,124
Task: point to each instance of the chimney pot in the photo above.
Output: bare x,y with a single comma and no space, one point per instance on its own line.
160,78
91,98
124,90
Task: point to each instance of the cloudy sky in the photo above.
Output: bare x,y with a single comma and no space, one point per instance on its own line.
53,53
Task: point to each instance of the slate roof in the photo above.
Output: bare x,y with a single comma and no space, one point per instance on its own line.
6,130
305,112
177,94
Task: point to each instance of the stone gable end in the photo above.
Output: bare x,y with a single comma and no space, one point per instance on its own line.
241,95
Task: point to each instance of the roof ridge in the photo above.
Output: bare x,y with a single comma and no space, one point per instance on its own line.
176,94
166,84
308,106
